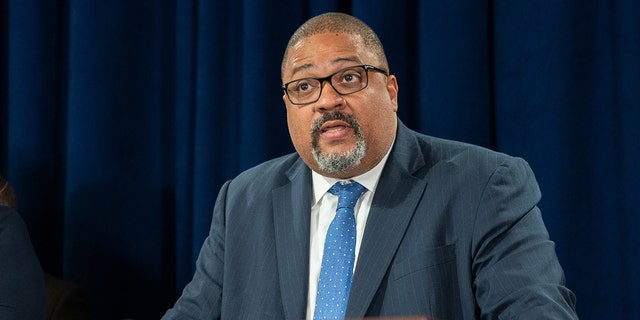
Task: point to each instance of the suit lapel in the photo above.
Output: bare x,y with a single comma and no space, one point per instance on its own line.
397,195
291,209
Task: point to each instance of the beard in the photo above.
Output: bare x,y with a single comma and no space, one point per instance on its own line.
338,162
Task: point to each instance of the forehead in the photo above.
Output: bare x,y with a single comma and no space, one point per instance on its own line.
325,52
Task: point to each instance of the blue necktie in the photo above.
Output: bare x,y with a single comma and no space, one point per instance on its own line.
339,254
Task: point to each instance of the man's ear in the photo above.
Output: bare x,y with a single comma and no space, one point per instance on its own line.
392,90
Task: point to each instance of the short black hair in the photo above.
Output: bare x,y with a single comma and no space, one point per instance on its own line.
338,23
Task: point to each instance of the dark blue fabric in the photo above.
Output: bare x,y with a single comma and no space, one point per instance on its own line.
119,121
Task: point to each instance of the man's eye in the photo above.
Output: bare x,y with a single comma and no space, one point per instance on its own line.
303,86
350,77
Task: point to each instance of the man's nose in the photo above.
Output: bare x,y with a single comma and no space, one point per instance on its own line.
329,97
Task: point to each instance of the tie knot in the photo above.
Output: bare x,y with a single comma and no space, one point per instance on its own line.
348,193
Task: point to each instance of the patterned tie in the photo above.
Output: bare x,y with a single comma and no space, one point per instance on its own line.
339,254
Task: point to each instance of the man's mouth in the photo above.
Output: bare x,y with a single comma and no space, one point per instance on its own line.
332,125
334,129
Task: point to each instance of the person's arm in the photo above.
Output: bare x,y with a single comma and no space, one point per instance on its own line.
517,273
21,277
202,297
66,299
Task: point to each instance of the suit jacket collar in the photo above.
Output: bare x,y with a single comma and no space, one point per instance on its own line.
393,206
291,209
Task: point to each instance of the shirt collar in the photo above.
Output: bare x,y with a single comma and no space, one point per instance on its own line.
369,179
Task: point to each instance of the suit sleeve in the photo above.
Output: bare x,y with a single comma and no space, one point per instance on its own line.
516,270
202,297
21,277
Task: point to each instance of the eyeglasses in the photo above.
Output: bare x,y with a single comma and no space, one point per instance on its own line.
345,81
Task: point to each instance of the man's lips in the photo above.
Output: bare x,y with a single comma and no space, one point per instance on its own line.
335,129
333,126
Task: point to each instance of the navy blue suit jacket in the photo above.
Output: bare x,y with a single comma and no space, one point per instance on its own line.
22,293
454,232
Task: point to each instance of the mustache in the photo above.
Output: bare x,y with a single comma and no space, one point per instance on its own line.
336,115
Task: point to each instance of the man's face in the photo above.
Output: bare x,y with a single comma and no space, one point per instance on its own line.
340,136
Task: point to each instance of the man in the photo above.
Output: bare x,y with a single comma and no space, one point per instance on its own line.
444,230
22,293
25,292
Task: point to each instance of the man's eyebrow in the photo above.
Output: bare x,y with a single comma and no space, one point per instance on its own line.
335,61
346,59
300,68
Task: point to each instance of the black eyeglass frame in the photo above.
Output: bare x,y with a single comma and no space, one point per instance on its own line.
366,68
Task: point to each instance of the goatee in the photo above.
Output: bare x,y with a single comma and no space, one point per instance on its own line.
338,162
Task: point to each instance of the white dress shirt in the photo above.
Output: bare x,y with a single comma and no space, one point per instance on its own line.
323,210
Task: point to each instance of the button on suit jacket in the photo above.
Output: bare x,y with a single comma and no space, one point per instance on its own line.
454,232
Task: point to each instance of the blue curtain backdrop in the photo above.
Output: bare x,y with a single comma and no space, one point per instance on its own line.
120,119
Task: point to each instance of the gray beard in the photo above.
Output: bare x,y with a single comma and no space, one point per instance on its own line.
332,162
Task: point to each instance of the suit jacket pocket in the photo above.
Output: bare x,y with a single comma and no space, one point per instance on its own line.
425,283
429,258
